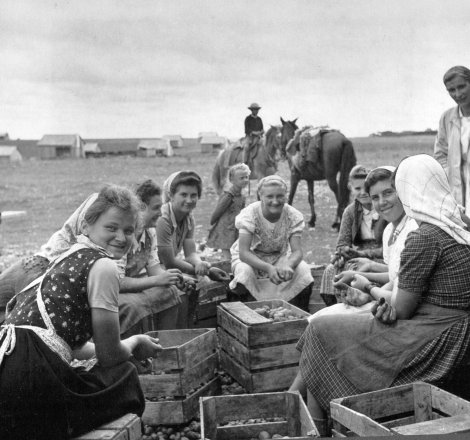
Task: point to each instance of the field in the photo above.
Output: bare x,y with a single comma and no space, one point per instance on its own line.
49,191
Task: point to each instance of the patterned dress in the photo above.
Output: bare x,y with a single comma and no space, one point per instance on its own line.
271,244
358,353
41,395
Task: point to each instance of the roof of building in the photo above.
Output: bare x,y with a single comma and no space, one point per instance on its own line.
154,144
58,139
207,134
7,150
213,140
173,137
116,145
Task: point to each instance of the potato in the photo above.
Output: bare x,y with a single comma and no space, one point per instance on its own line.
264,435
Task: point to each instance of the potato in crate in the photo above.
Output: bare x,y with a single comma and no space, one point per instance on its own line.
258,341
268,415
414,409
184,370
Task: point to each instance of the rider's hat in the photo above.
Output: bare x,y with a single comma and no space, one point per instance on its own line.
254,106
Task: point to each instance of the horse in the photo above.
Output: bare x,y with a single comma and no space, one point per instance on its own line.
336,155
266,156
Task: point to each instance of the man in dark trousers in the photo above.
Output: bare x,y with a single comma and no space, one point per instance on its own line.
253,131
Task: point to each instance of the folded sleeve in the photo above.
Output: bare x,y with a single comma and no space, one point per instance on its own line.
246,220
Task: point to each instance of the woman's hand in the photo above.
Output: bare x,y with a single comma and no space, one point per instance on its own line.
202,268
273,275
384,312
354,297
216,274
343,279
146,347
186,284
285,272
360,264
359,282
348,252
169,278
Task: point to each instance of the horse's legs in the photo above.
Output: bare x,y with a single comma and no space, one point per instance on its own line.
333,184
294,181
311,202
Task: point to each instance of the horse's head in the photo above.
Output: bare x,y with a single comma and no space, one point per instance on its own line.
287,133
273,142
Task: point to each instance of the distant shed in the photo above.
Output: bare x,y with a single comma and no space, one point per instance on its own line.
92,149
155,147
10,154
117,147
176,141
212,143
54,146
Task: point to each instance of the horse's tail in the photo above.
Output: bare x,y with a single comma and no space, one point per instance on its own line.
348,160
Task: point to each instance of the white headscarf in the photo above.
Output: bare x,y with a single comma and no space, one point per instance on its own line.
424,191
166,196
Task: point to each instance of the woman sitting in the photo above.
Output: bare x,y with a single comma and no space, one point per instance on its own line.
175,233
51,322
360,235
267,257
430,333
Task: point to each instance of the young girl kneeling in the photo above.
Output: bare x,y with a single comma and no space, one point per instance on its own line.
51,322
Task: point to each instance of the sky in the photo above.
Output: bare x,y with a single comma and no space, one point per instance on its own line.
146,68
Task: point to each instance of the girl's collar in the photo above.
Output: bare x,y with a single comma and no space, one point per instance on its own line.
83,239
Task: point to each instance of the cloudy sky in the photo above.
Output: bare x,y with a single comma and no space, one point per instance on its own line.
144,68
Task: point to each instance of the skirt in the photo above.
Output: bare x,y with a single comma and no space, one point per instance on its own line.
42,397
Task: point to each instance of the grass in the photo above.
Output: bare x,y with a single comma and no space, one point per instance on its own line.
51,190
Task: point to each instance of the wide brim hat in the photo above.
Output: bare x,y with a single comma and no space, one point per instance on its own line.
254,106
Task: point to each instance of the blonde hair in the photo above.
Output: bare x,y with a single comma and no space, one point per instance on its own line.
238,167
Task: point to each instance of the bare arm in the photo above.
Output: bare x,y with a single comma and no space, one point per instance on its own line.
200,267
223,204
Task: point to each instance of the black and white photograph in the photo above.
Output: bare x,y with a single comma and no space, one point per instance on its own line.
243,220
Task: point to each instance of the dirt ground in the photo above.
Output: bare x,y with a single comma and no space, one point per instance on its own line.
49,191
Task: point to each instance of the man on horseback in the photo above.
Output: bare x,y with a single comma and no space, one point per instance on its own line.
253,132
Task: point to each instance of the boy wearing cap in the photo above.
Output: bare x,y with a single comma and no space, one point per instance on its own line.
253,130
360,233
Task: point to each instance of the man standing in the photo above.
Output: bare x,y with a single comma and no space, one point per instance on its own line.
253,131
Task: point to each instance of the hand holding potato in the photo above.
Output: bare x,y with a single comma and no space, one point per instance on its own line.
359,282
216,274
354,297
285,272
274,276
343,279
384,312
360,264
202,268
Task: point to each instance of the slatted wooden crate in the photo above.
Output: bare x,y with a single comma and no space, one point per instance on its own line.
183,371
217,411
256,352
415,409
128,427
179,410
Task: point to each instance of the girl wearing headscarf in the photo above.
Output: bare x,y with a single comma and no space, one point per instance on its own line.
451,147
430,333
267,257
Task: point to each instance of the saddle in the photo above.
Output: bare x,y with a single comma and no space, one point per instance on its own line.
310,148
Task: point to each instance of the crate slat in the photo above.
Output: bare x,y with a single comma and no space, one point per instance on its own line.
445,425
176,412
258,381
258,358
129,423
179,383
222,409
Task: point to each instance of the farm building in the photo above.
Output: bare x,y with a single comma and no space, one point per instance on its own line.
53,146
212,143
202,134
27,148
155,147
117,147
176,140
92,149
9,154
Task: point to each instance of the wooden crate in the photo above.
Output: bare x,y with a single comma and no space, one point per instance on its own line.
178,411
415,409
128,427
219,410
189,358
258,353
209,297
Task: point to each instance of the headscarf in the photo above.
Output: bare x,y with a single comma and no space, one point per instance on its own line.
272,179
424,191
172,180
